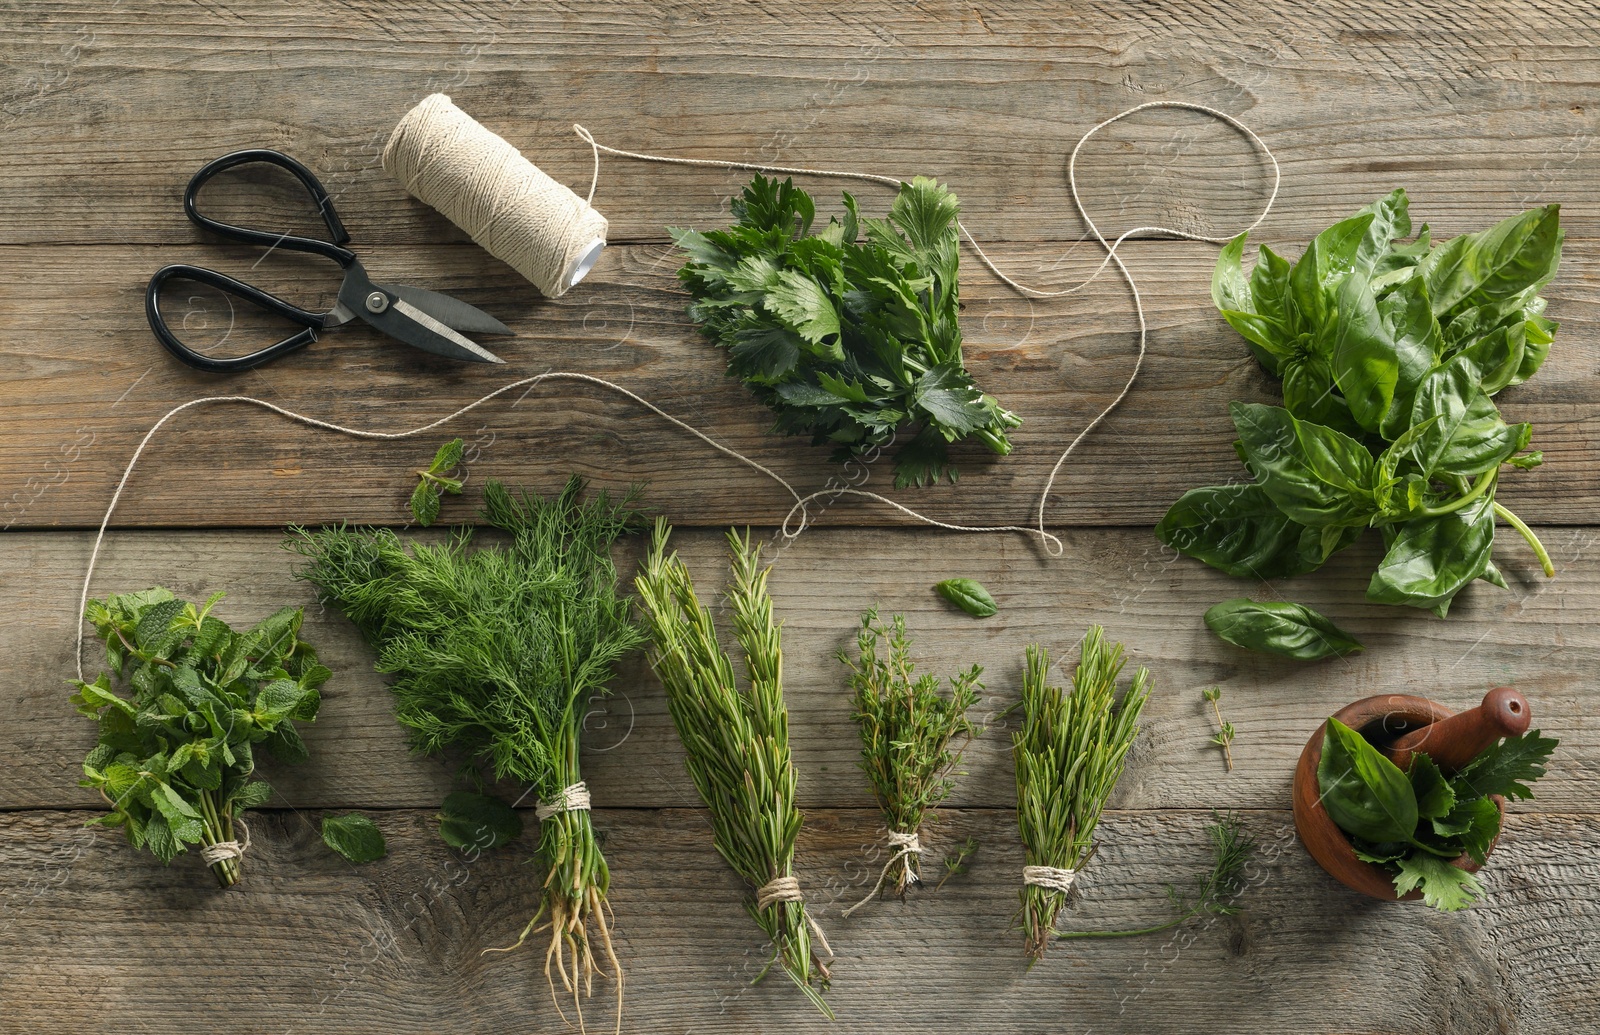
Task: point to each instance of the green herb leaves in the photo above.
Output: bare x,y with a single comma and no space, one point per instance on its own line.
969,595
174,760
355,837
1279,627
433,481
849,334
1417,820
1389,356
471,822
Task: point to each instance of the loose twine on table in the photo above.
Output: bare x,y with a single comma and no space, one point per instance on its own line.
1052,544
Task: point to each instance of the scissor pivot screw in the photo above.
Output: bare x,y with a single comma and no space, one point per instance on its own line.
377,302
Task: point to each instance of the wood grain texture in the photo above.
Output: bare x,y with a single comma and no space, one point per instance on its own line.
100,938
83,391
1541,636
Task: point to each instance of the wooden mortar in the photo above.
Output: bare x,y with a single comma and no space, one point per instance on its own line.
1399,725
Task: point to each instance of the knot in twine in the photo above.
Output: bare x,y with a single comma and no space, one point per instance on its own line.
222,851
905,845
573,798
537,226
1050,877
786,888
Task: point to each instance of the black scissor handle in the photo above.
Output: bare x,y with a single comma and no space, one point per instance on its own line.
331,249
311,322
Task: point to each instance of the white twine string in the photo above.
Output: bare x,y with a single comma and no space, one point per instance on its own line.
573,798
905,845
1049,877
787,889
222,851
1052,545
539,227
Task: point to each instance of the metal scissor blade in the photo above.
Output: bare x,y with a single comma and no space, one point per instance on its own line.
452,312
411,325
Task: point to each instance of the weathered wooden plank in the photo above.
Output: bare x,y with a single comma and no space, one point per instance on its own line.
107,111
1541,636
310,944
87,380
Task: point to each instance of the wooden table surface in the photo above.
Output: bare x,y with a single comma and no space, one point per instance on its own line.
1479,111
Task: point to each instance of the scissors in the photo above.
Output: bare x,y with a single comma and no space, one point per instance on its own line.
424,319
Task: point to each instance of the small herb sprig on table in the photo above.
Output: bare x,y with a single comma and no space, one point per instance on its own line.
175,759
496,653
1416,822
1389,356
737,744
1069,755
1214,894
848,340
434,481
907,727
1225,731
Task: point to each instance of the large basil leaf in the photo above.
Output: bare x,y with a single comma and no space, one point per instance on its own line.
1365,794
1468,436
1363,355
1391,221
1269,286
1418,344
1328,258
1505,260
1431,559
1239,530
1279,627
1310,394
1267,333
1315,475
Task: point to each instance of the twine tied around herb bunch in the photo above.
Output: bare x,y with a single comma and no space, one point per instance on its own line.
786,888
906,846
573,798
222,851
1051,877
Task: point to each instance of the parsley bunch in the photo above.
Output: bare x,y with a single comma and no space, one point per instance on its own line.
846,340
175,759
496,653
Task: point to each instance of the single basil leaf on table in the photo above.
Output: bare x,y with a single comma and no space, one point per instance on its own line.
476,821
1279,627
1444,886
1238,529
1431,559
355,837
1506,768
1316,475
1432,790
1507,259
1363,792
969,595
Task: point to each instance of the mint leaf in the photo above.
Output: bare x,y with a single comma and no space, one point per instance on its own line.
425,503
1444,886
355,837
468,820
1507,768
448,458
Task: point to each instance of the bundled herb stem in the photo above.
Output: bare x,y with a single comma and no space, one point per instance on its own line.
737,744
906,731
1069,755
175,760
496,653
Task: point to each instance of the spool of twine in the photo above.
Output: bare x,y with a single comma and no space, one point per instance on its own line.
442,156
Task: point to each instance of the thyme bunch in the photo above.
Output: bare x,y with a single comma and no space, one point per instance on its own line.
496,653
737,744
1069,755
907,728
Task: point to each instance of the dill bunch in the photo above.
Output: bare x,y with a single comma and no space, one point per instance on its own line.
1069,755
496,653
906,731
737,744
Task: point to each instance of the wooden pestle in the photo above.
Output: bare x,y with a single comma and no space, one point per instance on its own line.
1455,741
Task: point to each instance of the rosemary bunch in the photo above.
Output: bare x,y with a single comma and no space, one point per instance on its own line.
496,653
737,744
1069,755
906,730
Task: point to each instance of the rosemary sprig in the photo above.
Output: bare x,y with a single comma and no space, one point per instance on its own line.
737,744
496,653
906,731
1225,731
1231,849
1069,755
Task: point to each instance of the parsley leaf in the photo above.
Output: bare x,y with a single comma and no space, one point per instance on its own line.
1444,886
1509,766
850,333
